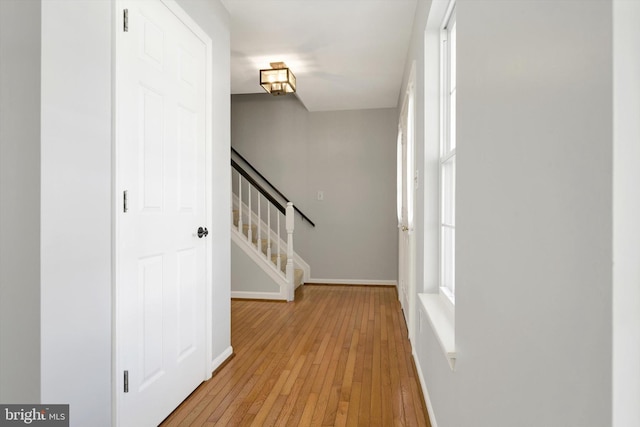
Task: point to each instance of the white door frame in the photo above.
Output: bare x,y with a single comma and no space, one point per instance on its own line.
117,201
406,232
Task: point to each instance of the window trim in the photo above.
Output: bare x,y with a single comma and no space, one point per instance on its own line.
436,312
447,157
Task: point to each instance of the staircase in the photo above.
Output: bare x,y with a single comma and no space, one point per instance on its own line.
262,227
263,244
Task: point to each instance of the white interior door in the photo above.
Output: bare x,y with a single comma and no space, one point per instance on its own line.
162,262
403,223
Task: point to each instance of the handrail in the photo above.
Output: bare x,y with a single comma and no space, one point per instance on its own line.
253,182
238,168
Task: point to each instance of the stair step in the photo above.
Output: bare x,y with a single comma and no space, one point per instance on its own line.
265,245
283,260
254,231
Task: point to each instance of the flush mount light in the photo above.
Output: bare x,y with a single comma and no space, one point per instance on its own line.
278,80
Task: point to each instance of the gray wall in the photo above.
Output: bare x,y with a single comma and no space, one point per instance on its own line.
533,303
19,201
247,276
534,215
351,157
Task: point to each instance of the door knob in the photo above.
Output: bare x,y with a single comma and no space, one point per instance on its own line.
202,232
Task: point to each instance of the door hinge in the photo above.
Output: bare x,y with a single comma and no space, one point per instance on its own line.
126,381
125,202
126,20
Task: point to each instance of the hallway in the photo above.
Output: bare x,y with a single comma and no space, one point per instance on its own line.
336,356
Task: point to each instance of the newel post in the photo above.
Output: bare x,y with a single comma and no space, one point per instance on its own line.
289,224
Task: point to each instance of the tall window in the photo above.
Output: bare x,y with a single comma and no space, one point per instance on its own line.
448,159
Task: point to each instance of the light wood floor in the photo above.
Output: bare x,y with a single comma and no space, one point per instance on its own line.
336,356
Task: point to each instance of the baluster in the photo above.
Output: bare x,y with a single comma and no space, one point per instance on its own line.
240,203
259,240
279,251
290,227
250,214
233,174
269,230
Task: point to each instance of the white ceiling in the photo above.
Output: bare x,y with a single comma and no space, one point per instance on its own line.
346,54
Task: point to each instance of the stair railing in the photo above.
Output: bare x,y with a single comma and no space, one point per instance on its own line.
267,227
257,173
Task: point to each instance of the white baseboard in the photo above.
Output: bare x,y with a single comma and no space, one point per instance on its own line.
425,393
258,295
215,363
351,282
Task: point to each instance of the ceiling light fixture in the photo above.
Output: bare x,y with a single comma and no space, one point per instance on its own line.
278,80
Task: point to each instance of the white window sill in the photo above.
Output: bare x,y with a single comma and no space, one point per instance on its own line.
442,321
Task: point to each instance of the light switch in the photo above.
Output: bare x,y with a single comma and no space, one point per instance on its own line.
320,195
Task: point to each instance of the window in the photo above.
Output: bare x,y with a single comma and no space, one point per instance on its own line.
448,159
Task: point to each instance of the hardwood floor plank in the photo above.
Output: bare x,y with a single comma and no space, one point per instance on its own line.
325,413
267,404
247,393
309,409
304,384
322,349
376,368
337,356
394,377
288,408
341,416
286,389
235,408
367,366
347,378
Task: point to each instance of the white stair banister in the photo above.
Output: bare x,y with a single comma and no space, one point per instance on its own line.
278,257
269,230
249,231
240,203
259,240
289,224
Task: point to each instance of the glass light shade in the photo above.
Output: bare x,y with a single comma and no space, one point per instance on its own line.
278,81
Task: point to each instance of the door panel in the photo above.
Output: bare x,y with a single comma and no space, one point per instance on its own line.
151,315
187,302
151,149
187,159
